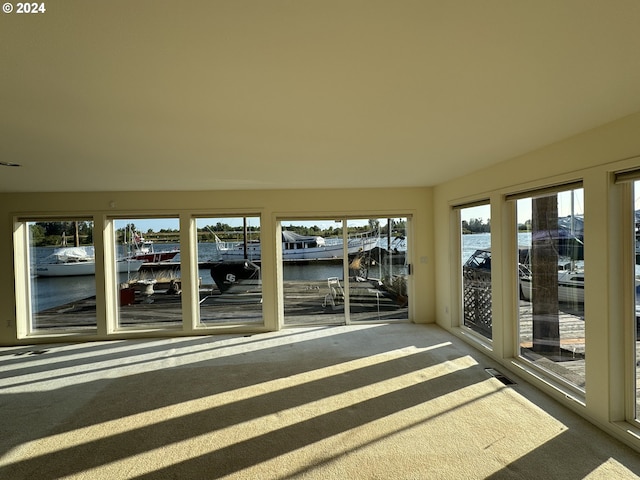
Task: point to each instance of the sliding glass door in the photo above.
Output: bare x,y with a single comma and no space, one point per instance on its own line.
378,269
313,272
349,270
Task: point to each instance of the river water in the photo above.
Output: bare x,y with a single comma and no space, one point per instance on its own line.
478,241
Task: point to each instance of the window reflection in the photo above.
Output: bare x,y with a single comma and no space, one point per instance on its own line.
320,282
62,275
229,272
148,272
636,331
475,230
551,283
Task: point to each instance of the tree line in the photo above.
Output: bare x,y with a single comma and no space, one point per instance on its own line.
71,233
477,225
61,233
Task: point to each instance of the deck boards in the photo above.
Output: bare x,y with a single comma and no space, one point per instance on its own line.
306,302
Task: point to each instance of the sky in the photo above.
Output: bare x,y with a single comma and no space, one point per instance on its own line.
524,208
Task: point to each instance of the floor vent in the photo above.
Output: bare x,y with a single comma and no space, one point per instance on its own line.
495,373
31,352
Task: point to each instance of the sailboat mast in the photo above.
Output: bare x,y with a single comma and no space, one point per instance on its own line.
244,230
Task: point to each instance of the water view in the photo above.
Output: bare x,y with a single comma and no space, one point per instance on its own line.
50,292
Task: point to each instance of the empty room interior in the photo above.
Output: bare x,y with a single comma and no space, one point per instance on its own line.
320,239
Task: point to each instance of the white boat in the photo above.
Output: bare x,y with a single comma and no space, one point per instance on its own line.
72,261
570,281
570,286
297,247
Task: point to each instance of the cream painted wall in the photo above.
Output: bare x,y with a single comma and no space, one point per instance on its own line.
270,204
592,157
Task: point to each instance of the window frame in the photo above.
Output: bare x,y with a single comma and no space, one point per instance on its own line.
547,374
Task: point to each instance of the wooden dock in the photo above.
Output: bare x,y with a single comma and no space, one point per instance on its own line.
149,303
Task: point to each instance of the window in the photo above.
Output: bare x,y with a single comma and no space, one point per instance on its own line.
475,241
147,266
631,226
378,269
635,337
61,275
229,275
322,285
551,321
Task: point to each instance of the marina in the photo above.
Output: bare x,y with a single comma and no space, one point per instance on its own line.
151,295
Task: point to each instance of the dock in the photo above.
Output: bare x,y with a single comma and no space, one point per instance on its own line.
151,303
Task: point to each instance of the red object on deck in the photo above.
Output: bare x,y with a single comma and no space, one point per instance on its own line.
127,296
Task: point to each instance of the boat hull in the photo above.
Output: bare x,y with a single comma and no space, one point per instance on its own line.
71,269
570,287
155,257
228,273
298,252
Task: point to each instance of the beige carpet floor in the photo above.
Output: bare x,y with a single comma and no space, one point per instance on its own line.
397,401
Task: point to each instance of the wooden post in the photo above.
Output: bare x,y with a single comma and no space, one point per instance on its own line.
244,232
76,238
544,267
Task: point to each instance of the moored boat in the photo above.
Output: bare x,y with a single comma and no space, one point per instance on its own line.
227,273
296,247
143,249
73,261
570,280
570,286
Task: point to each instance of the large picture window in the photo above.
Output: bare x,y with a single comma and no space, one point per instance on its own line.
354,269
551,320
147,266
229,270
61,275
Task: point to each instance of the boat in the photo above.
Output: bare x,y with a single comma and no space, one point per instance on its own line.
296,247
73,261
228,273
143,249
570,279
570,285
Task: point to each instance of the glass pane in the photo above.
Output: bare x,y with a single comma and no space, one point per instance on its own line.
476,269
148,266
313,272
229,270
378,269
636,337
62,275
551,281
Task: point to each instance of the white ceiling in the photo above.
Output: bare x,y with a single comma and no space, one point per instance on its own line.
253,94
